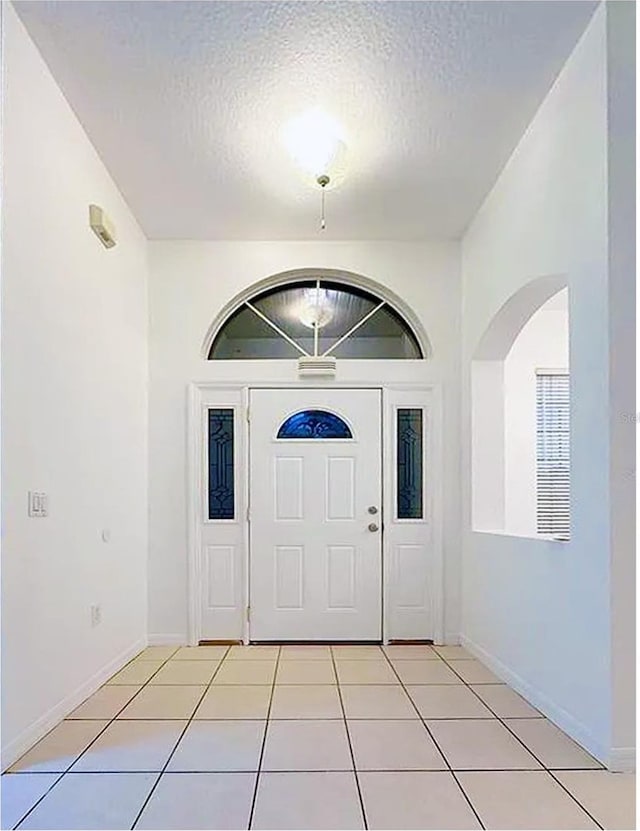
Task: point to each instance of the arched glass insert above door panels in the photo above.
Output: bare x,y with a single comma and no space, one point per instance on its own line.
315,318
314,424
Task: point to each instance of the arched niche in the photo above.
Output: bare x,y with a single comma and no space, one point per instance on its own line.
519,402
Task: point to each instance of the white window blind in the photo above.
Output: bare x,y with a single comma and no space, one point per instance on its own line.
552,454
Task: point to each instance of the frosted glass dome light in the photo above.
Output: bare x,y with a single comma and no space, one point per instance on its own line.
315,141
315,309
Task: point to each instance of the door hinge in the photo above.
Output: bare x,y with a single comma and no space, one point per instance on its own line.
247,414
248,612
248,513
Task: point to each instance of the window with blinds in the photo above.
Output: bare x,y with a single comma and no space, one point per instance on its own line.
552,454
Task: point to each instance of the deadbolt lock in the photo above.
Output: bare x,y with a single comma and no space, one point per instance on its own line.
372,509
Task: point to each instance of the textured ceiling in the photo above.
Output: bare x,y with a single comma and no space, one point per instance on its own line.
185,102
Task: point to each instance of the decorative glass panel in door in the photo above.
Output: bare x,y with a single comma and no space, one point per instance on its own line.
221,467
314,424
409,481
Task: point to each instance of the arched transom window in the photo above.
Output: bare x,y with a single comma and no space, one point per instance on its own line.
315,318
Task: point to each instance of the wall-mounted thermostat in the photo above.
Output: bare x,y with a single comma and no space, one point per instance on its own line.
103,227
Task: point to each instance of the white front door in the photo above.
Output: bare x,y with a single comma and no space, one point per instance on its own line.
315,498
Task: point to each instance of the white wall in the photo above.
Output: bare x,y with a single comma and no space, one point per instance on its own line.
74,395
543,343
621,30
540,611
190,282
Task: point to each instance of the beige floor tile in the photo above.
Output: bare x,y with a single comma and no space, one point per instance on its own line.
20,792
305,672
453,652
137,672
415,799
209,746
178,701
306,745
253,652
399,652
474,672
200,801
106,703
86,801
553,747
609,797
371,701
306,701
157,653
305,652
447,701
480,745
307,800
522,799
200,653
349,652
130,746
235,703
185,672
365,672
425,672
59,748
245,672
505,702
393,745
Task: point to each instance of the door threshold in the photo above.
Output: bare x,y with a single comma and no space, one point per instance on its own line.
335,641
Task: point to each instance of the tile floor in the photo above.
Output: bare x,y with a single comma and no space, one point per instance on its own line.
310,737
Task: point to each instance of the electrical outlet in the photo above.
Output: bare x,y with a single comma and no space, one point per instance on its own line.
96,615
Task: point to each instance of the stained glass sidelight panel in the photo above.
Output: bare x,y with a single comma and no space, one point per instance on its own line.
221,472
314,424
409,464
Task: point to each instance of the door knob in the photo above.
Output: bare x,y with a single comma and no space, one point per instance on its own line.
372,526
372,509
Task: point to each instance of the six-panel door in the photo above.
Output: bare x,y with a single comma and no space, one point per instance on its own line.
315,514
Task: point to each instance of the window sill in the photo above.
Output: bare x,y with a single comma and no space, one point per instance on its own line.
521,535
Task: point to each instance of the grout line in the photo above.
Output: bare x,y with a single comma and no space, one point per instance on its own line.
108,724
264,739
515,736
180,737
346,729
433,739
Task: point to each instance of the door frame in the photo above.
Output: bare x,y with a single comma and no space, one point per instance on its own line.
427,395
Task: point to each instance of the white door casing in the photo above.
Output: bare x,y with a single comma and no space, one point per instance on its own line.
315,549
218,550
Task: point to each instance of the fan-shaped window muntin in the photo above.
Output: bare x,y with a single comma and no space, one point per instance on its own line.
314,424
318,318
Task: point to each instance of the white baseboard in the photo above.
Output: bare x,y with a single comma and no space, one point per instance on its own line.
451,639
168,640
622,759
15,749
560,717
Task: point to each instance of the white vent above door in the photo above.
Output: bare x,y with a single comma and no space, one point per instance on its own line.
312,366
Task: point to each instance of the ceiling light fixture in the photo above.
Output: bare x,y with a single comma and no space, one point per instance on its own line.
315,140
315,309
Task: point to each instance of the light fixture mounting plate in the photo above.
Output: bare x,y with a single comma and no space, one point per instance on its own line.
323,180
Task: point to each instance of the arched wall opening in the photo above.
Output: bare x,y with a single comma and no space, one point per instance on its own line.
520,415
391,316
